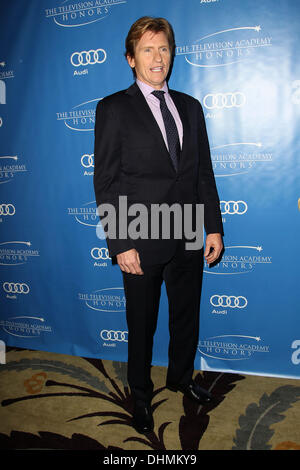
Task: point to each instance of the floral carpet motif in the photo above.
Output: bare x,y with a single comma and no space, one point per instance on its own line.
56,401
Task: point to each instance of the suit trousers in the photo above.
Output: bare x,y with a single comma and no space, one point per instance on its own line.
182,275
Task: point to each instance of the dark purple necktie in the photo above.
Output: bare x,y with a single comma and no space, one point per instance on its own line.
171,128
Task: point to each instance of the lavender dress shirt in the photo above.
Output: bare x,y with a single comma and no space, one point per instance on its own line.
154,105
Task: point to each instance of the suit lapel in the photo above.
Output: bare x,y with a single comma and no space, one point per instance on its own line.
181,108
145,114
149,120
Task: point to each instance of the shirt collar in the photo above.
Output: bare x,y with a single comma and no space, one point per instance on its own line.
147,89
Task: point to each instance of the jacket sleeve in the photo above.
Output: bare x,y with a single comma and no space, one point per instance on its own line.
207,189
107,170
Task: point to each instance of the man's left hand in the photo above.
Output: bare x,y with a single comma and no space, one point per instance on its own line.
213,247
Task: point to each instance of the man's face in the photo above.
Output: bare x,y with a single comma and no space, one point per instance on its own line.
151,59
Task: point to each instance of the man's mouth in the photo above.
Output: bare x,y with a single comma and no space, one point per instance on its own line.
156,69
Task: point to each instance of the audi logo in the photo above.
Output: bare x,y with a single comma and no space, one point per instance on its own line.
233,207
7,209
87,160
15,288
88,57
111,335
100,253
224,100
229,301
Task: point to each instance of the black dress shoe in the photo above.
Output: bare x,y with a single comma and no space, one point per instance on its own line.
193,391
142,418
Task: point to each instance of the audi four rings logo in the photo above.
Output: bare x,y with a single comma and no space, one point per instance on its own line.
15,288
87,160
7,209
111,335
90,57
229,301
100,253
233,207
224,100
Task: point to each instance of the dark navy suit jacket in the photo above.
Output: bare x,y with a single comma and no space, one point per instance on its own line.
131,159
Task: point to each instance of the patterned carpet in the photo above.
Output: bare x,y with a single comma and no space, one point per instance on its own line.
55,401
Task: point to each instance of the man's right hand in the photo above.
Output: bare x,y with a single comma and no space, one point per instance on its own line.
129,262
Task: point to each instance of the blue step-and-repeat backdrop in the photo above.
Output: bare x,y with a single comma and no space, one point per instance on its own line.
59,291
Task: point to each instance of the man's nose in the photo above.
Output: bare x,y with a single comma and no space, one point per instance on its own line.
157,56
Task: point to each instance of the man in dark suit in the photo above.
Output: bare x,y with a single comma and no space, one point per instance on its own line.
151,146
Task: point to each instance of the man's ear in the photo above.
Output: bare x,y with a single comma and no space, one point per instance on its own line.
130,61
